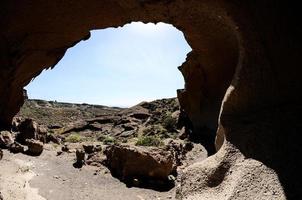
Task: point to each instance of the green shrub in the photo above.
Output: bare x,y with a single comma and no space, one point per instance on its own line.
149,141
109,140
169,123
74,138
154,130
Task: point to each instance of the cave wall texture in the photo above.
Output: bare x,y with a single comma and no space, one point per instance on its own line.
243,76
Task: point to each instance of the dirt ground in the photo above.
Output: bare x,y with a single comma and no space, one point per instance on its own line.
53,177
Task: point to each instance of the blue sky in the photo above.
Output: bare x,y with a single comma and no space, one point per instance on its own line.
117,67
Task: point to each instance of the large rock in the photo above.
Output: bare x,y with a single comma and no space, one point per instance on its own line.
6,139
128,162
29,129
35,147
16,148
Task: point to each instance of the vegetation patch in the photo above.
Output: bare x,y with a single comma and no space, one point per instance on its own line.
169,122
149,141
74,138
109,140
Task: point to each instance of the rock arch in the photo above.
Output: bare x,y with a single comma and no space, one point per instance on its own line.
237,46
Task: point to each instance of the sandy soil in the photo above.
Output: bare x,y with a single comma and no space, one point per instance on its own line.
15,175
53,177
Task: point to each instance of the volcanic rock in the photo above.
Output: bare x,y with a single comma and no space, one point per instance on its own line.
90,148
243,76
53,138
16,148
128,162
140,116
35,147
80,156
6,139
29,129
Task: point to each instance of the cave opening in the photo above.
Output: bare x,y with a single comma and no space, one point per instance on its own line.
116,68
202,96
237,47
135,66
130,64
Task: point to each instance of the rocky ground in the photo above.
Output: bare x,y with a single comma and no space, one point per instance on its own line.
80,151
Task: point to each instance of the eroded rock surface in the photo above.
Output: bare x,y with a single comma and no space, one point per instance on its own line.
6,139
129,162
253,48
35,147
29,129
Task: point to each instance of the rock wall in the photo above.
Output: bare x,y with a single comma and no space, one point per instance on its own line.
249,48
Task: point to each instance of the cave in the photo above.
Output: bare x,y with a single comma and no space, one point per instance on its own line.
242,76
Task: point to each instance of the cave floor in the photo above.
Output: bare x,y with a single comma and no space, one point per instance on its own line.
53,177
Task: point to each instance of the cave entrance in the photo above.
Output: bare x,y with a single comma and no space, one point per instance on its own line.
119,86
115,69
215,50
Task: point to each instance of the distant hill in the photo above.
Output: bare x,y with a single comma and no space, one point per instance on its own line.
60,113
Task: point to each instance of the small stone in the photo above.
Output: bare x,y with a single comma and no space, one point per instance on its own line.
65,148
56,177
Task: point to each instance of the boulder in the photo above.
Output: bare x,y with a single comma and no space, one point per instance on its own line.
29,129
128,162
53,138
1,154
15,123
16,148
88,148
6,139
35,147
42,133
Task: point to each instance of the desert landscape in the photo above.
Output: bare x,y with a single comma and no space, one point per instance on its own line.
82,151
